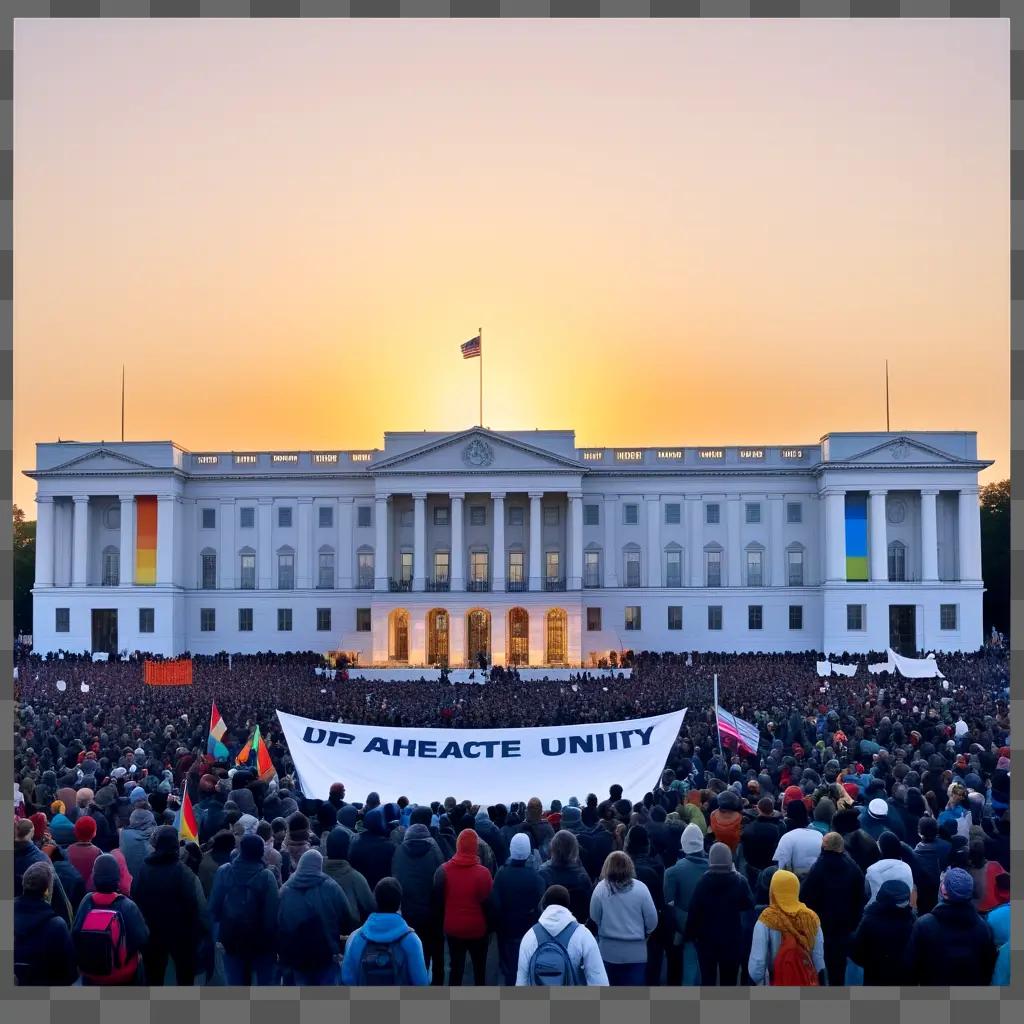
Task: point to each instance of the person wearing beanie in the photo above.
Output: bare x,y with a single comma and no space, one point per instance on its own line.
107,897
82,853
952,945
759,839
515,900
313,914
879,944
784,916
715,922
462,887
40,830
726,821
891,864
138,797
414,864
679,884
222,847
581,948
171,899
135,842
62,828
491,835
834,890
372,851
243,908
571,821
624,912
877,818
335,850
297,842
798,848
43,951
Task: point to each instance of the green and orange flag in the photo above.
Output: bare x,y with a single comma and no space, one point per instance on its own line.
256,748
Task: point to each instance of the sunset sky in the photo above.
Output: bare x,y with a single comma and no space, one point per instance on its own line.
671,232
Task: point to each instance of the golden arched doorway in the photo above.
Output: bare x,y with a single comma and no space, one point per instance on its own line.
478,636
437,637
398,635
518,636
554,649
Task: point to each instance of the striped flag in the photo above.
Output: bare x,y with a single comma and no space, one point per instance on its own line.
471,348
746,735
188,829
215,742
256,746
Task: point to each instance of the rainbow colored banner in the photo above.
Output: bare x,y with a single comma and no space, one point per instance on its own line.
856,538
145,541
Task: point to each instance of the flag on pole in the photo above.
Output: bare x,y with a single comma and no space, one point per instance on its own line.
188,829
215,742
472,348
744,733
256,747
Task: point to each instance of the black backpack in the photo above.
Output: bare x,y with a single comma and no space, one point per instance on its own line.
242,915
379,964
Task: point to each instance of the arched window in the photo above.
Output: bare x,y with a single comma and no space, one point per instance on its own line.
897,562
631,565
111,566
364,568
754,562
554,648
285,569
437,636
795,565
478,637
247,569
673,565
518,636
713,565
208,569
325,568
398,635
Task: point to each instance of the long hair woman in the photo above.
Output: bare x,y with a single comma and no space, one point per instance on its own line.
624,911
785,917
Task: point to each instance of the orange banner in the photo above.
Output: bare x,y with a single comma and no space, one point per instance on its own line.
168,673
145,541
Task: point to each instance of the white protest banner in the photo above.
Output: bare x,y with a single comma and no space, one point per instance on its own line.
482,765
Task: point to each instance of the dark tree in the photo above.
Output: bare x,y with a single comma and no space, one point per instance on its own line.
24,571
995,554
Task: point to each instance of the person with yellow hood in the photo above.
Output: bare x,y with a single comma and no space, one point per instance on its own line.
788,947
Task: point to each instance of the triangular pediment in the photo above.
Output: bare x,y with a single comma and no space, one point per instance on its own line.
99,460
475,450
902,451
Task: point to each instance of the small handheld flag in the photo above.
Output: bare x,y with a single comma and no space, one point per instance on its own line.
187,827
215,742
256,746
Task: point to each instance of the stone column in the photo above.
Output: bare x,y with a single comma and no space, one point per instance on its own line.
44,540
610,555
127,559
456,570
498,554
653,503
878,548
733,555
695,534
835,534
576,552
929,537
165,540
344,545
777,554
419,541
304,545
227,562
536,582
969,535
265,544
80,542
381,558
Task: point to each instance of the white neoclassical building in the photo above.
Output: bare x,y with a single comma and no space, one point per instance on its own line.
518,545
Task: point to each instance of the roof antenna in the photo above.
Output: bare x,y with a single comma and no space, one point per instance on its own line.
887,396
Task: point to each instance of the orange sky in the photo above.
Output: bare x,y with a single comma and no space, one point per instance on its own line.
672,232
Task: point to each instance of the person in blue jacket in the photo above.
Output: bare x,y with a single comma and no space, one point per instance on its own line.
401,959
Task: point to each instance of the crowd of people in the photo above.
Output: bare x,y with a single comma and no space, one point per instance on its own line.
866,841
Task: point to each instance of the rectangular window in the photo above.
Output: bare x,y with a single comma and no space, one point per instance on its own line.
591,515
515,567
672,514
209,518
897,562
947,616
244,620
753,512
326,514
478,566
325,570
713,513
441,515
593,620
796,568
323,620
247,572
147,620
516,515
755,569
209,573
363,620
712,568
675,616
364,516
796,616
551,565
855,616
632,617
285,571
284,620
591,568
406,567
365,569
550,515
794,512
714,616
406,517
111,568
441,566
284,517
630,514
247,517
477,515
63,620
673,568
207,620
632,568
755,616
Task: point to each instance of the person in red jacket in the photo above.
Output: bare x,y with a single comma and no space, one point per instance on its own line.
462,889
82,852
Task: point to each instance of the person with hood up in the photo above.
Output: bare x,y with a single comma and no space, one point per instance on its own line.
953,945
353,884
243,906
82,853
798,848
879,943
834,890
371,852
564,868
555,918
414,865
715,922
890,865
462,889
136,839
491,835
312,915
43,951
516,897
26,853
219,854
596,844
999,921
679,884
623,910
69,880
297,842
785,915
726,821
401,962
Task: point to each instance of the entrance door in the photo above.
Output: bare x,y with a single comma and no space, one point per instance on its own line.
903,629
518,637
478,638
437,637
104,630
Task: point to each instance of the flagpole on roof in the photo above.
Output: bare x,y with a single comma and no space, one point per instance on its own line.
481,336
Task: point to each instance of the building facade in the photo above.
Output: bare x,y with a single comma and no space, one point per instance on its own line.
518,546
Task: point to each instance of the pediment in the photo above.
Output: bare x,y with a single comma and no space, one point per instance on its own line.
476,450
99,460
903,451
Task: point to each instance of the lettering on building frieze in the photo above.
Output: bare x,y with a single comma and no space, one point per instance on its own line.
629,455
751,453
711,453
207,460
320,458
284,458
792,453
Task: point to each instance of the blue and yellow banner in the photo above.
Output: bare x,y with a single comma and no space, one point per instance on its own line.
856,538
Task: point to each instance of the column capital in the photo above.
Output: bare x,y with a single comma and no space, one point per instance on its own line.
652,497
832,492
734,497
265,501
231,501
161,497
536,494
378,498
126,499
419,496
879,492
456,495
499,495
574,495
610,497
774,497
81,499
342,500
301,501
693,497
974,491
930,492
47,499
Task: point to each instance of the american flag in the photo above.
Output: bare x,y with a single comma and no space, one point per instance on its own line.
745,734
471,348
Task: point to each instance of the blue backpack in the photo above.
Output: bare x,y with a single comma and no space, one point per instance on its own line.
551,963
